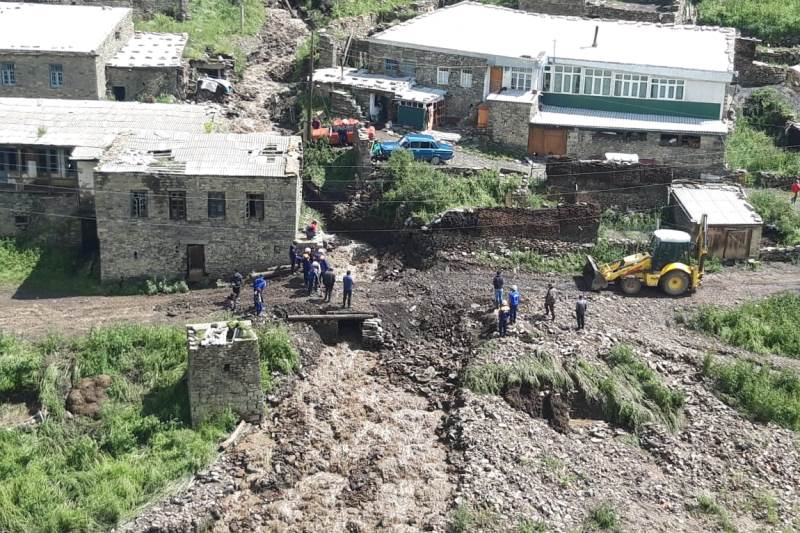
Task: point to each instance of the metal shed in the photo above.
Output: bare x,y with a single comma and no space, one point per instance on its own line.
734,227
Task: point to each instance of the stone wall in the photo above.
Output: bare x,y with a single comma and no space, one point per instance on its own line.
656,11
760,74
780,254
142,9
157,246
42,216
142,83
624,186
779,55
509,123
461,103
689,160
224,372
554,7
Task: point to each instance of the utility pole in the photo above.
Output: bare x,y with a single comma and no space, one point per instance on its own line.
310,91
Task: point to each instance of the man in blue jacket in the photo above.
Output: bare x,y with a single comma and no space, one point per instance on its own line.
513,304
347,288
259,286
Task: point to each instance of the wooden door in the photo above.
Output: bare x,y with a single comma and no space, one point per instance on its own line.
196,254
495,79
547,141
737,244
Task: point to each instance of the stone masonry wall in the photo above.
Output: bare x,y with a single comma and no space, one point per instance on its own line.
224,373
687,161
657,11
554,7
620,185
461,103
55,226
509,123
141,83
157,246
114,42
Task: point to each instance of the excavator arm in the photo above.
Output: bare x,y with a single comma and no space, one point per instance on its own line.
598,276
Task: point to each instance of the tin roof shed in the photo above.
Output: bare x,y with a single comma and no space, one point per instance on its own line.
725,205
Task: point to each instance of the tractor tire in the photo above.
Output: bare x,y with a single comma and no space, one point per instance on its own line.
630,286
675,282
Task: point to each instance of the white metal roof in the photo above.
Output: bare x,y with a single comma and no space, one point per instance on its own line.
92,123
404,87
493,31
725,205
516,96
204,154
56,28
671,235
611,120
151,50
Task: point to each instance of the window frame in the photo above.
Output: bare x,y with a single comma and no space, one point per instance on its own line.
56,75
442,76
250,198
517,74
466,74
177,205
664,86
219,211
597,82
628,85
557,76
387,61
8,74
139,204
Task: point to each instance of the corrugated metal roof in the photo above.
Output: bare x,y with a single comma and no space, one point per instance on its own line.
56,28
492,31
594,119
151,50
204,154
92,123
403,88
725,205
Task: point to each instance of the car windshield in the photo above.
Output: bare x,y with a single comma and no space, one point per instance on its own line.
403,141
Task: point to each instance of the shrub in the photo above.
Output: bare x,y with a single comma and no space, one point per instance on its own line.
604,517
754,150
775,21
777,212
277,353
767,110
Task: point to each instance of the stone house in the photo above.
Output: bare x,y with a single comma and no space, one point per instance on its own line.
198,206
48,151
553,85
84,52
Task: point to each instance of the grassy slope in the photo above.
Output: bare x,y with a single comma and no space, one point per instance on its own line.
775,21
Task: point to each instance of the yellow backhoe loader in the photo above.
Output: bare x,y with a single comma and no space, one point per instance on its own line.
670,264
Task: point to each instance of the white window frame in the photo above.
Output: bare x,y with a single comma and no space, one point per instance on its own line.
563,76
521,79
139,207
631,85
442,76
56,75
466,78
667,89
8,74
597,82
389,61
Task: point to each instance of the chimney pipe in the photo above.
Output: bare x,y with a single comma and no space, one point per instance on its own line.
596,30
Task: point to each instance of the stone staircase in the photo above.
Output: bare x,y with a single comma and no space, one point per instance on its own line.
344,105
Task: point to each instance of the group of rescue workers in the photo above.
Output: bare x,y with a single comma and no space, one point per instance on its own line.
507,307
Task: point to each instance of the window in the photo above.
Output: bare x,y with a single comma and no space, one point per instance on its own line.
139,204
216,205
597,82
22,221
255,206
408,68
177,205
626,136
561,79
118,35
391,67
666,89
466,78
56,76
8,75
521,78
690,141
630,85
673,139
442,76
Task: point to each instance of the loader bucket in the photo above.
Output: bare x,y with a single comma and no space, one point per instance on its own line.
592,276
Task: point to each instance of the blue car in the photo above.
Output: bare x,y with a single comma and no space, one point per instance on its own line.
424,147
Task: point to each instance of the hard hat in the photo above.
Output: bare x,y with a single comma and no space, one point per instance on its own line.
514,287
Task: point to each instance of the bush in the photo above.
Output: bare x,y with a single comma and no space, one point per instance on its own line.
754,150
775,21
767,110
767,326
277,353
777,212
765,395
604,517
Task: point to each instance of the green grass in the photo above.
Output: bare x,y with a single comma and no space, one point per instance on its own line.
764,394
775,21
646,221
754,150
83,474
469,518
709,506
765,326
527,525
604,517
769,111
777,211
277,352
537,370
765,507
566,263
213,27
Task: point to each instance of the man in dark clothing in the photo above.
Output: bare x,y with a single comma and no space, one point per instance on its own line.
328,280
580,310
347,288
502,320
550,302
498,283
306,262
293,256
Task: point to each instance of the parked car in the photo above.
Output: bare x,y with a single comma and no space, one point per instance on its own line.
424,147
